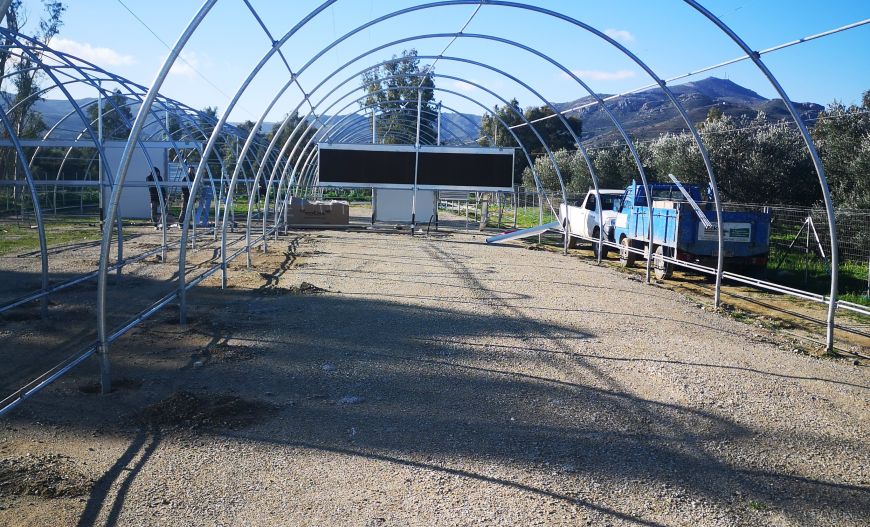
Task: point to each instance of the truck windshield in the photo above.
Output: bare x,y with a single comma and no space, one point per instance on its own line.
611,202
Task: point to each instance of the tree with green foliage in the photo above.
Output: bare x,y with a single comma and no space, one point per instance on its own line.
300,136
393,90
27,74
714,114
19,105
233,145
613,164
842,136
755,161
117,116
553,132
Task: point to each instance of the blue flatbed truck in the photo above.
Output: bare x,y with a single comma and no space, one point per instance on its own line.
684,228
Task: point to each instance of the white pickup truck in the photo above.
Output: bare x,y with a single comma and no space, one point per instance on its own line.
583,217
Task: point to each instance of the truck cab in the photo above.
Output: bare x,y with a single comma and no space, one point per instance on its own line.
583,217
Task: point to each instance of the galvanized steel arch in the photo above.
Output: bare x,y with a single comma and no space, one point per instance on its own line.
338,112
151,96
808,140
478,103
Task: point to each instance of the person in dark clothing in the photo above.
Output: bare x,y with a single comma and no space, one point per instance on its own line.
153,181
186,181
262,184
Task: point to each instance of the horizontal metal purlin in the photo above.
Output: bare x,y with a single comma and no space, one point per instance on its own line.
91,183
72,143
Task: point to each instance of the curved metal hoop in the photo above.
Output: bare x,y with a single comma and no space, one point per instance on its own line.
291,167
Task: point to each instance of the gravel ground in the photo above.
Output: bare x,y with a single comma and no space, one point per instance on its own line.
375,379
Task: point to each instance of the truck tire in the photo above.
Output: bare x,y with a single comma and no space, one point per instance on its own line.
626,257
596,247
663,270
573,242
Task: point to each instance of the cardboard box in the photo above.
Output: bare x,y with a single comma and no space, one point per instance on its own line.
304,212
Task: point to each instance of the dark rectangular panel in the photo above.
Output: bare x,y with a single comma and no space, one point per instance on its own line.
451,169
393,165
366,167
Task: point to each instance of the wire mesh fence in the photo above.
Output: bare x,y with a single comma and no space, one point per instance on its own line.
800,243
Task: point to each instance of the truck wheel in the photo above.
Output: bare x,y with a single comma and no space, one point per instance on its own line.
663,269
596,247
626,257
572,242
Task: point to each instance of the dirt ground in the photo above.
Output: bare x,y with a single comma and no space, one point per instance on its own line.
376,379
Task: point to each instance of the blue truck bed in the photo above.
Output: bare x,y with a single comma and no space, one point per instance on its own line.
678,228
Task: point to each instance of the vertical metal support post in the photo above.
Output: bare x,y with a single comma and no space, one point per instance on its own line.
439,125
868,276
566,228
100,158
416,162
374,127
101,171
807,252
516,206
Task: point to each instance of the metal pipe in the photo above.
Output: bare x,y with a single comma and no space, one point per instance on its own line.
485,108
817,162
144,109
37,210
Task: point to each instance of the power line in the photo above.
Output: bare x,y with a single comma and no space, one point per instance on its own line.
707,68
180,57
456,36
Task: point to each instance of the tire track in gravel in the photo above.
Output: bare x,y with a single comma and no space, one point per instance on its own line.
683,438
697,462
644,416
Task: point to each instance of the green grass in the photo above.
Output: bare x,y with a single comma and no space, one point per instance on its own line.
855,298
812,274
526,217
21,238
348,195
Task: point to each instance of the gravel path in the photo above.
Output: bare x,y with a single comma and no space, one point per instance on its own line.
373,379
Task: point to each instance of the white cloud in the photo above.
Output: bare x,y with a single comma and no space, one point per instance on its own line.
188,64
99,56
619,34
463,86
601,75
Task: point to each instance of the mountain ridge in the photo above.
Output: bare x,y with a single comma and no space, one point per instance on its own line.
645,115
650,113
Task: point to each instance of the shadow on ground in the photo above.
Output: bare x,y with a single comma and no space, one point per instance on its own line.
423,387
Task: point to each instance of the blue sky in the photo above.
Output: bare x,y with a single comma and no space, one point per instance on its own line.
667,34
